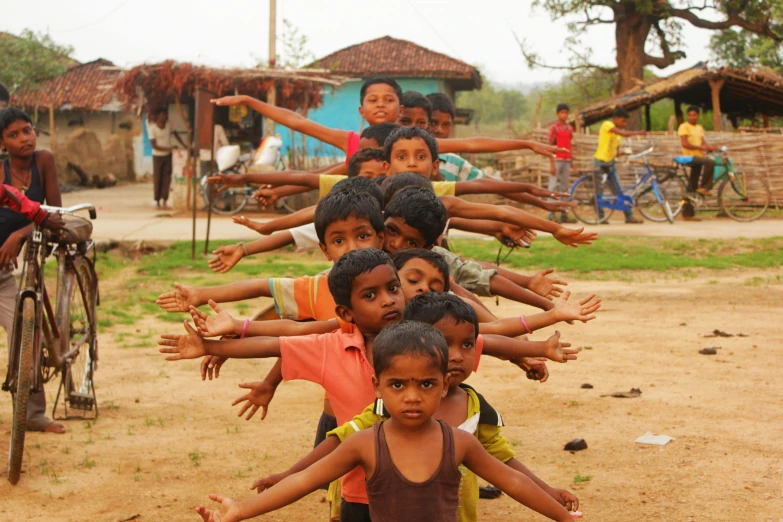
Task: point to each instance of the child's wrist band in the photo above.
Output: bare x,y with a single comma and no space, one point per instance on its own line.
244,248
244,328
524,324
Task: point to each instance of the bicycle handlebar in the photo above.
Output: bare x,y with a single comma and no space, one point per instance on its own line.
642,153
72,210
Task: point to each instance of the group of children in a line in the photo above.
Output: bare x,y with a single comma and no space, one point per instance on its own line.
394,329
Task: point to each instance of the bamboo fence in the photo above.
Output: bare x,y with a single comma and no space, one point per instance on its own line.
761,154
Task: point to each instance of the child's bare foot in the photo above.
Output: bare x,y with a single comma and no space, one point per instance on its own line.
54,427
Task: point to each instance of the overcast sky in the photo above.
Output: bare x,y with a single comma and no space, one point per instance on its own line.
232,32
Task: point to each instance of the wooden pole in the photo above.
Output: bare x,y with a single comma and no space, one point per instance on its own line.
715,86
648,123
678,111
271,95
52,128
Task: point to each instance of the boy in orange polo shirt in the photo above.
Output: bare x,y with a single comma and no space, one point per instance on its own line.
367,293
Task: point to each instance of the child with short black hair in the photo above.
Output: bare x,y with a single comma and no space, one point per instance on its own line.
367,163
416,110
411,362
560,135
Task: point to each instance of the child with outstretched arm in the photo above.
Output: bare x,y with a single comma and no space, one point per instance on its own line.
462,407
411,454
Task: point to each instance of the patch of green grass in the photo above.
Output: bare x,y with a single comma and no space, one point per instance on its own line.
580,479
196,457
87,463
614,253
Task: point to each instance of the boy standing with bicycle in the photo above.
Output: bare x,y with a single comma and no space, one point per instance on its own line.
604,159
34,174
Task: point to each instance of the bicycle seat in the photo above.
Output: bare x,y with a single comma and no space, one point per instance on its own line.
77,230
683,160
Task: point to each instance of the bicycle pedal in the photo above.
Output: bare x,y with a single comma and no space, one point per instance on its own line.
79,401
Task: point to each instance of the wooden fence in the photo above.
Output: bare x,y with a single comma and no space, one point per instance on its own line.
758,153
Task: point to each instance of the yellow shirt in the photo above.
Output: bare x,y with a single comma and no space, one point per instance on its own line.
608,143
695,134
327,181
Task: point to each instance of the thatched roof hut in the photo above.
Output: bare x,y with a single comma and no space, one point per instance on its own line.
173,82
735,92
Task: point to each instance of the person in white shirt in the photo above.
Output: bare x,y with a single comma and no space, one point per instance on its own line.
160,137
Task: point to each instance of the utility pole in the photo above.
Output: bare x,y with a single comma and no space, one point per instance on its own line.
271,95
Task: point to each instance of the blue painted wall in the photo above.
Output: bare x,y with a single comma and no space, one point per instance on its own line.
340,110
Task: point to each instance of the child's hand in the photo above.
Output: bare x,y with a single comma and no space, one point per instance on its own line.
226,181
259,396
267,482
557,352
575,238
53,221
534,367
221,324
231,101
226,258
558,206
520,236
190,346
178,300
210,364
252,225
226,513
546,150
266,197
566,499
582,310
545,287
541,192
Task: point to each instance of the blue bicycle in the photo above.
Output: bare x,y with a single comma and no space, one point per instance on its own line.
648,194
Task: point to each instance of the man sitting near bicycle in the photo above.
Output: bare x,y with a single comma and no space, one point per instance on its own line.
604,159
693,144
34,174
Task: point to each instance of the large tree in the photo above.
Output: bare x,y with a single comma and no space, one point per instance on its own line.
649,32
30,59
743,48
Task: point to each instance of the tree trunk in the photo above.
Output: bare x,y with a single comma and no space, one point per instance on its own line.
631,30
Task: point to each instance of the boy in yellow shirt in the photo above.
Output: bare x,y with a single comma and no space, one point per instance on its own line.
604,159
693,144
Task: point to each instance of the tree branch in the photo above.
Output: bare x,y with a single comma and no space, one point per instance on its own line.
532,61
668,57
760,28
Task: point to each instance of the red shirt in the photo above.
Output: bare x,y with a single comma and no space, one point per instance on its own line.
560,134
351,146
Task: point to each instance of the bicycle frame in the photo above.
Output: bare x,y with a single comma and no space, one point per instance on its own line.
35,255
624,200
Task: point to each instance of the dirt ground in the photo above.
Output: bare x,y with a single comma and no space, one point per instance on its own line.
165,439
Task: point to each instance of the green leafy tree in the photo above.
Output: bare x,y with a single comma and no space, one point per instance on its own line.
493,105
295,50
649,32
745,49
28,60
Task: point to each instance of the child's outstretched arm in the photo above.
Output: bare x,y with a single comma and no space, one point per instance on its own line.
266,197
512,482
554,205
503,232
222,323
495,186
503,287
192,346
278,179
303,216
482,144
326,447
290,119
566,499
349,455
509,348
183,296
228,256
520,218
538,283
563,310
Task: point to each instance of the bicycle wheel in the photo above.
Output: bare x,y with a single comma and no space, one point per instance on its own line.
78,336
744,196
583,193
673,190
24,375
